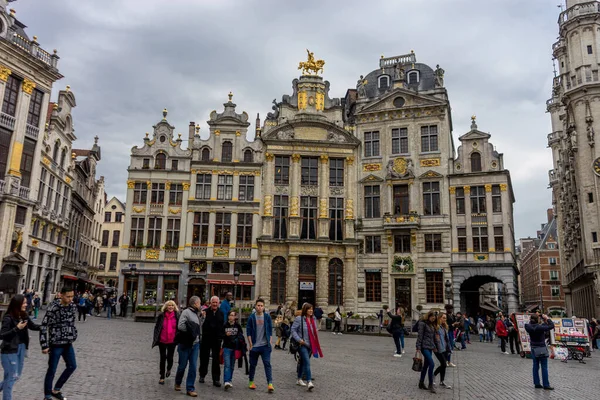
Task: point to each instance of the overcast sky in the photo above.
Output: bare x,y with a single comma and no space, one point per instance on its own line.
126,60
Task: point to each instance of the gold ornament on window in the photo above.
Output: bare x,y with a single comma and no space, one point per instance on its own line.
130,184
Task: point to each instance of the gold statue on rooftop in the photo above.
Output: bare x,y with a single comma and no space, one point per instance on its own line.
311,66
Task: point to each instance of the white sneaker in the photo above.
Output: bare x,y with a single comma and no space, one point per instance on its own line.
403,351
442,384
339,333
451,364
333,333
301,382
310,386
227,385
506,352
397,355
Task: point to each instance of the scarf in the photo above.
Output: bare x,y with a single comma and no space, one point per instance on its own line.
314,339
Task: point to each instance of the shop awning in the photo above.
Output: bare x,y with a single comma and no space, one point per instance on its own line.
227,282
532,307
227,279
70,277
490,307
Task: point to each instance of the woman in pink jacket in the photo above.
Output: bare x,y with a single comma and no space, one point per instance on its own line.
164,337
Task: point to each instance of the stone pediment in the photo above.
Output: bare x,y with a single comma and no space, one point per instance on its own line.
14,258
431,174
411,100
370,179
313,133
474,135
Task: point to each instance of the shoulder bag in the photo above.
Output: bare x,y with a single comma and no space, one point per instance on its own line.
417,362
540,352
294,344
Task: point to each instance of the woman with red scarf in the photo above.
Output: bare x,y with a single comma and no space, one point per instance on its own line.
304,331
164,337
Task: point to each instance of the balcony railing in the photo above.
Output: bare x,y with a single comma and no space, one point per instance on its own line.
32,131
391,61
578,10
24,192
2,187
553,176
553,137
558,45
34,49
156,208
7,121
198,251
479,219
242,252
171,254
400,221
134,254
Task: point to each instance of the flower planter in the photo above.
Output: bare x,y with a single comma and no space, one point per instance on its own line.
145,315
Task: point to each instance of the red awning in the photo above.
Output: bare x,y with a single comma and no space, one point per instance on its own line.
228,282
71,277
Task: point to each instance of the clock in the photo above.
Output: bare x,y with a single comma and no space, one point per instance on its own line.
596,166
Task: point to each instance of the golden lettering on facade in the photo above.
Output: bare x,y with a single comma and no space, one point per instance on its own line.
488,188
152,254
130,184
371,167
28,86
431,162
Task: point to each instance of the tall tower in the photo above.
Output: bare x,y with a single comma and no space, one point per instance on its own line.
575,178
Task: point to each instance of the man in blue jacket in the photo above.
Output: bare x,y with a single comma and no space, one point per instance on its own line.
539,351
258,330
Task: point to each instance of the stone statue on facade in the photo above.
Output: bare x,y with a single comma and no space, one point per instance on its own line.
399,72
361,87
590,135
336,137
439,76
275,113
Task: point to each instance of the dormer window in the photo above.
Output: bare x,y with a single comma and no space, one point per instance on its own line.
56,148
205,155
384,82
413,77
475,162
161,161
248,156
227,152
146,163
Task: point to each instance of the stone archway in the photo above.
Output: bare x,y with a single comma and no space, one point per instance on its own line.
466,281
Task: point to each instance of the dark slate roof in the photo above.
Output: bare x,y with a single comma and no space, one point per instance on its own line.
548,230
426,79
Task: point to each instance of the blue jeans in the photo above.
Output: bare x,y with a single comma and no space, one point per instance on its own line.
303,368
398,341
108,312
187,355
265,353
13,368
229,364
67,352
543,361
427,365
451,338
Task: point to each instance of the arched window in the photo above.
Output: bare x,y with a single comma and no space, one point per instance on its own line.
475,162
227,152
413,77
248,156
205,155
384,82
336,282
161,161
55,153
278,267
63,155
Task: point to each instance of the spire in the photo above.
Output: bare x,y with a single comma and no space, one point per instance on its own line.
473,123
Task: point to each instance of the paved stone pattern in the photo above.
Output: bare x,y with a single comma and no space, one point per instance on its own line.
115,361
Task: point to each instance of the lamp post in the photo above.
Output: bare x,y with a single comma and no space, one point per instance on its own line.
132,269
338,283
236,279
448,290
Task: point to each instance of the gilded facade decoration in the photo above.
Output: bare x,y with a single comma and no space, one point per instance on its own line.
349,209
174,210
152,254
269,157
186,186
350,160
324,158
167,185
311,66
323,208
467,189
320,104
28,86
296,157
294,206
400,166
4,73
221,252
452,189
302,100
488,188
130,184
46,161
139,210
431,162
503,187
148,185
268,206
371,167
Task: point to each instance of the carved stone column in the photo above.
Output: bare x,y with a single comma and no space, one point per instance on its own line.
350,284
506,207
452,213
490,217
212,220
323,225
267,206
294,218
350,186
263,277
322,281
468,219
291,291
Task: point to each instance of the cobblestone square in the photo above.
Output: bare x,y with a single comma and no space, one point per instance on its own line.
115,361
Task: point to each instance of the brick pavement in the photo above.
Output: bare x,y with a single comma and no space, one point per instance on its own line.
115,362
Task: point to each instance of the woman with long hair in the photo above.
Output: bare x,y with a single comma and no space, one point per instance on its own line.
164,337
427,344
337,320
15,342
304,331
397,328
444,351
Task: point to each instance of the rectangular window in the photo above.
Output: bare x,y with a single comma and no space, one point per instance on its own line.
176,194
336,172
282,170
136,237
65,200
460,200
20,215
336,218
554,275
372,144
173,231
5,138
244,230
400,141
478,199
105,235
27,161
594,237
154,232
225,187
308,213
36,228
42,188
57,196
480,239
433,242
590,197
498,239
35,107
373,286
401,200
246,188
309,171
280,213
146,163
551,245
203,182
116,238
372,202
103,259
222,229
119,217
107,216
140,193
434,287
11,94
158,193
461,234
174,165
429,138
431,198
402,243
555,291
44,232
50,193
113,261
552,260
589,49
372,244
200,233
496,199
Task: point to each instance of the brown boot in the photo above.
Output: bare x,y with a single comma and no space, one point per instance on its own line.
177,388
192,394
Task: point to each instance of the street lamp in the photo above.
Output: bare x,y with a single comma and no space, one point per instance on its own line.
236,279
448,290
339,290
132,269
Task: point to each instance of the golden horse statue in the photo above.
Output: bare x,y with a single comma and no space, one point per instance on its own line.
311,66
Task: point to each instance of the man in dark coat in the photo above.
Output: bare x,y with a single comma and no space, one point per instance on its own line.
212,332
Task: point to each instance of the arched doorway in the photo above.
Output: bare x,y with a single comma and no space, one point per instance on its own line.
481,295
196,287
336,282
48,284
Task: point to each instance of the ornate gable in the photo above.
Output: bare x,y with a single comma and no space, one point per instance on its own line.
431,174
371,179
321,132
401,99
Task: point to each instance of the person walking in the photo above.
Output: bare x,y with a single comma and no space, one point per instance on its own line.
304,331
15,342
258,331
337,321
427,344
318,315
539,351
189,335
513,334
459,327
165,330
225,306
490,325
233,341
444,351
109,303
82,307
397,330
286,326
481,330
212,331
278,331
502,333
57,334
37,303
123,303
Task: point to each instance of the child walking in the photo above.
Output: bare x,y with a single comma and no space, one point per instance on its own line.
233,340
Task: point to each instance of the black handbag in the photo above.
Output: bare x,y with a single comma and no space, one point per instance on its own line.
540,352
294,344
417,363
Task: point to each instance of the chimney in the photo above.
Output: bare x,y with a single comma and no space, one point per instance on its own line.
550,214
191,133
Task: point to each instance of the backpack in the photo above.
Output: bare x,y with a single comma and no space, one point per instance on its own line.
81,302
